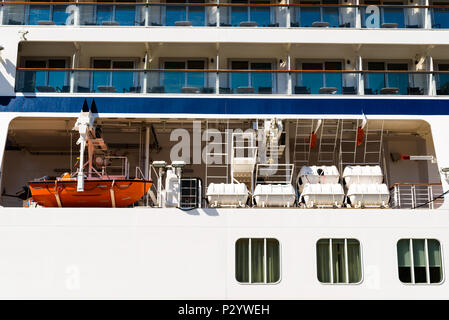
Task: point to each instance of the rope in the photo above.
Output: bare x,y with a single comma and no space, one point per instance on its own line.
426,203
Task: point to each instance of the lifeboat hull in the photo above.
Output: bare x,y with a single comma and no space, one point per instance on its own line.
97,193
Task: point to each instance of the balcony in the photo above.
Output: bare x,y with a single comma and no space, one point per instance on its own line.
268,15
440,16
229,82
325,82
322,16
396,82
393,16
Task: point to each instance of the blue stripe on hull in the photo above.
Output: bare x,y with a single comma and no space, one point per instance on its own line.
234,106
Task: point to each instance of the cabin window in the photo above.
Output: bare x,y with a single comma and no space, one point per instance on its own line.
257,260
178,14
251,80
44,80
115,80
339,261
443,79
316,81
392,14
440,15
419,261
177,80
316,12
375,82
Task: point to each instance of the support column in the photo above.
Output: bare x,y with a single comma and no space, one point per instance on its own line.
147,152
358,15
147,15
146,67
76,14
218,13
289,74
217,67
1,12
427,23
360,76
75,58
431,77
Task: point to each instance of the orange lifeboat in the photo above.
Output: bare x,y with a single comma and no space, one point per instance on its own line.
94,189
97,192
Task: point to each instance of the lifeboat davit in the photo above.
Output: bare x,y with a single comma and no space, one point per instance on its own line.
97,192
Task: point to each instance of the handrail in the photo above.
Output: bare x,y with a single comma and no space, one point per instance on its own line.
233,70
416,184
229,4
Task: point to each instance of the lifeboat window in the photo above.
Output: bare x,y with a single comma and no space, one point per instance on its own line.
419,261
339,261
257,260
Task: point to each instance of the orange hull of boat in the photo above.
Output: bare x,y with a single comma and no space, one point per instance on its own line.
97,192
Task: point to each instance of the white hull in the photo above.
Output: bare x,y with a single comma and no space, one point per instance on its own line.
174,254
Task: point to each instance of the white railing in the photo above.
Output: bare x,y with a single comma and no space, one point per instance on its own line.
274,173
416,195
116,163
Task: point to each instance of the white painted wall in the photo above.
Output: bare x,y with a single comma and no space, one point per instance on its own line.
169,254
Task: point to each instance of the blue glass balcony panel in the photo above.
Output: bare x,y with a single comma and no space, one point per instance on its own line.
309,15
174,14
440,18
126,15
260,15
443,84
394,15
38,13
197,15
331,16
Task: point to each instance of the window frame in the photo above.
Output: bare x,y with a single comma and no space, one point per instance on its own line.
163,11
249,5
436,67
298,79
162,62
411,79
265,265
67,62
347,283
381,3
321,3
134,60
271,61
412,266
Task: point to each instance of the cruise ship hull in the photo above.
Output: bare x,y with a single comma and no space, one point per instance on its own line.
146,253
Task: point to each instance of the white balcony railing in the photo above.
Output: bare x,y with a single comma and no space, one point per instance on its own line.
416,195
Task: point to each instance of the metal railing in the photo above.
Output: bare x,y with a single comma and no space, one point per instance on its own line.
416,195
274,173
401,82
272,15
114,165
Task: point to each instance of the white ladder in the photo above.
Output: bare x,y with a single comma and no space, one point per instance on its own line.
369,152
301,153
373,144
217,173
328,141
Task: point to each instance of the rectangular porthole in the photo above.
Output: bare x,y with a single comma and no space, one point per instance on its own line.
339,261
419,261
257,260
